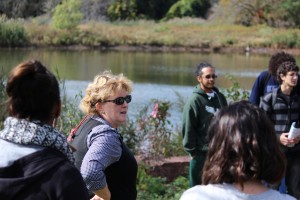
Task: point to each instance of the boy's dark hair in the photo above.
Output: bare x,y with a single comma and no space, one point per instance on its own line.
277,59
286,67
198,71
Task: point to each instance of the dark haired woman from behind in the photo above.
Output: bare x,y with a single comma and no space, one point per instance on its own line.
243,153
36,161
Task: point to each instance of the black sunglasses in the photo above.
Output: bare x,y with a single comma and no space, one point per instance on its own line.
213,76
119,100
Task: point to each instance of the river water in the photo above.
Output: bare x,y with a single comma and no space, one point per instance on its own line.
156,75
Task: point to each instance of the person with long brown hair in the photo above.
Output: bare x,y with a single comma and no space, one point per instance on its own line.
243,153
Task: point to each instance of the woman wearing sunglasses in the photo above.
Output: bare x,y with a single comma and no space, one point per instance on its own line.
105,162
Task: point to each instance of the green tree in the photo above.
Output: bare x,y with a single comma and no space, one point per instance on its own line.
191,8
292,8
22,8
275,13
122,10
132,9
154,9
67,14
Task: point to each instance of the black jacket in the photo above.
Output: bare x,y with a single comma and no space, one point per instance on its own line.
45,174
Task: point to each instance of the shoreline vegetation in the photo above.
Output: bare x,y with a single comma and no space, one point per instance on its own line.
177,35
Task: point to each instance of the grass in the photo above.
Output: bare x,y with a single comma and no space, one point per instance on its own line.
185,32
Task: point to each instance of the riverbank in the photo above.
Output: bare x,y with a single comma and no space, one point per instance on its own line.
147,48
153,48
186,34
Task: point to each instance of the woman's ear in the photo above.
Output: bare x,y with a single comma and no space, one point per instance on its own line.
98,106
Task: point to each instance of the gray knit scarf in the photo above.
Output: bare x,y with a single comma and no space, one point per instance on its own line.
25,132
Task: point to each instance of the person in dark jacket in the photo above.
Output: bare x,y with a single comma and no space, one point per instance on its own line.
283,106
107,165
201,106
36,160
267,80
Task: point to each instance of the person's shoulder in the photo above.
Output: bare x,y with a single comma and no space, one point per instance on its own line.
263,74
195,192
268,96
273,194
206,192
271,94
195,97
103,129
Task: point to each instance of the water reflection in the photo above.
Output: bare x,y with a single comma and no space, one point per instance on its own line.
141,67
155,75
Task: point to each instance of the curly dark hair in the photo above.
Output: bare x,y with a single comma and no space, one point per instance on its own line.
32,91
243,146
277,59
286,67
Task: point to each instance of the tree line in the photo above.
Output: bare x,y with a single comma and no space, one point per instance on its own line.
275,13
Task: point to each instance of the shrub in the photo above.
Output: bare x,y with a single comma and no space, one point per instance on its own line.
288,40
191,8
235,92
132,138
12,33
122,10
150,188
293,8
67,14
152,135
154,9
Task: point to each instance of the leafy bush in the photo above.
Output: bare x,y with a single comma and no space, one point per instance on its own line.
154,9
67,14
293,11
192,8
132,138
156,188
151,135
12,33
133,9
288,40
235,92
122,10
23,9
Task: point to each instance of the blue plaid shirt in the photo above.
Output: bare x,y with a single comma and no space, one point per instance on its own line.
104,149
